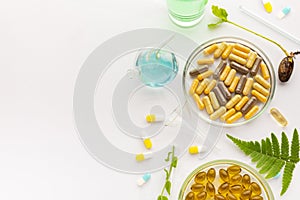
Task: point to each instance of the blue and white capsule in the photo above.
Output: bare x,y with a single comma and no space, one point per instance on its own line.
286,10
144,179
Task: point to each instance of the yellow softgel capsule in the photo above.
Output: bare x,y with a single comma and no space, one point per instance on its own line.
241,48
197,187
207,104
223,188
147,143
246,181
262,81
251,112
227,51
255,188
236,189
211,175
234,84
278,117
194,86
261,89
219,197
248,86
237,59
204,75
240,53
230,77
234,169
190,196
214,101
220,50
259,96
210,86
201,196
205,61
257,197
241,103
210,49
224,73
224,176
228,114
264,71
236,179
210,189
198,101
194,149
200,177
143,156
218,113
201,87
230,196
246,194
233,101
234,117
251,59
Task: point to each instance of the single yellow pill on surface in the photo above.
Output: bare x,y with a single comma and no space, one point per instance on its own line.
198,101
267,6
251,112
262,81
194,149
218,113
207,104
194,86
259,96
220,50
230,77
205,61
224,73
241,103
214,101
251,59
234,83
278,117
261,89
234,117
248,86
151,118
210,86
147,143
241,48
237,59
228,114
264,71
227,51
201,87
210,49
204,75
233,101
143,156
240,53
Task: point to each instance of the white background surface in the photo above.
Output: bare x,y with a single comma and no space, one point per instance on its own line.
42,47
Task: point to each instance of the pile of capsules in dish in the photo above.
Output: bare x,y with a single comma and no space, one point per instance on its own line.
229,185
236,88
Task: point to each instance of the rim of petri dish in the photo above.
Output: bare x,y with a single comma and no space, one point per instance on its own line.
225,163
228,39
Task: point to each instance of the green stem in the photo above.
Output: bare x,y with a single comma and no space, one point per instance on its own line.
270,40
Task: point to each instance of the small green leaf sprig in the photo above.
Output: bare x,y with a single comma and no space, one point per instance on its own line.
272,157
167,186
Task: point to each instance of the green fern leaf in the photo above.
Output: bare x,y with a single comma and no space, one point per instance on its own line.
263,146
275,146
257,146
267,166
287,176
284,146
295,147
269,149
255,156
264,159
275,169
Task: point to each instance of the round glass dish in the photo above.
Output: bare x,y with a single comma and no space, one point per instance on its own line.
192,64
223,164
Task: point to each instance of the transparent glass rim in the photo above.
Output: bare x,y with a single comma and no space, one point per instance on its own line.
229,39
247,168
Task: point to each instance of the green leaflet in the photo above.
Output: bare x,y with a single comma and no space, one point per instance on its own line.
271,156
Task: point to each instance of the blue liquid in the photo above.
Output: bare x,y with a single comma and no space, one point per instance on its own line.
156,68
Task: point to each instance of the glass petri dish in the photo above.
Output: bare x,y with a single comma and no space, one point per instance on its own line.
267,193
198,53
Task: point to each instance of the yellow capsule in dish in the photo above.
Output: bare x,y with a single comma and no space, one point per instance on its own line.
234,117
234,84
220,50
194,86
251,59
264,71
224,73
227,51
251,112
241,103
230,77
210,49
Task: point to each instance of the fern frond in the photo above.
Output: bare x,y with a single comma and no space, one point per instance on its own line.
287,176
255,156
295,147
257,146
269,150
267,166
284,146
275,146
275,169
263,159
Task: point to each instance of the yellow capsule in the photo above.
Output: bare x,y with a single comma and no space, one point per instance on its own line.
147,143
214,101
143,156
224,73
150,118
223,188
236,189
210,49
230,196
236,179
211,175
241,103
241,48
228,114
240,53
190,196
234,84
268,6
207,104
262,81
234,100
219,197
261,89
201,196
227,51
194,86
255,188
248,86
220,50
205,61
234,169
210,86
200,177
259,96
221,111
246,194
278,117
224,176
256,198
251,112
210,189
230,77
194,150
237,59
234,117
201,87
251,59
197,187
198,101
246,180
264,71
204,75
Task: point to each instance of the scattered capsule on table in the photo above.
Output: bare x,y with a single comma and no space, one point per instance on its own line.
251,59
241,103
255,66
201,196
210,49
234,118
219,69
239,68
278,117
151,118
198,101
224,90
210,189
234,84
227,51
214,101
224,176
241,84
230,196
147,143
224,73
230,77
197,187
236,189
201,87
251,112
234,169
246,181
233,101
248,86
223,188
261,89
200,177
262,81
205,61
211,175
237,59
221,48
207,104
144,179
198,70
256,198
255,188
194,149
218,113
264,71
228,114
240,53
143,156
221,99
259,96
190,196
219,197
236,179
250,103
204,75
210,86
246,194
241,48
